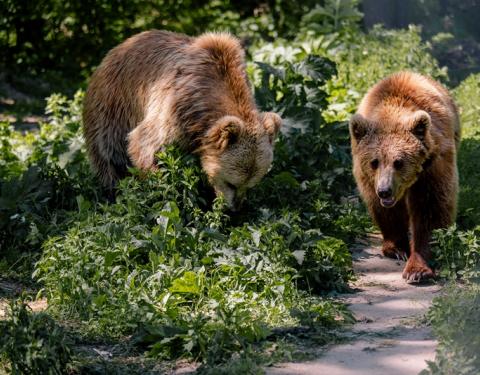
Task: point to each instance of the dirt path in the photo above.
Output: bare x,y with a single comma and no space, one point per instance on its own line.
389,336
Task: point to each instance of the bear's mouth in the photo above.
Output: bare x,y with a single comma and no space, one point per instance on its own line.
388,202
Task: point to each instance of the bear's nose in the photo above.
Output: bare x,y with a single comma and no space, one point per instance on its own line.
384,193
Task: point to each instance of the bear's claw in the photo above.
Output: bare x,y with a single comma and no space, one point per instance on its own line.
417,271
395,253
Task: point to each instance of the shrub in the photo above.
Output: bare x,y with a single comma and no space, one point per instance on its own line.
456,322
454,315
167,265
368,58
155,259
469,198
41,176
32,342
457,253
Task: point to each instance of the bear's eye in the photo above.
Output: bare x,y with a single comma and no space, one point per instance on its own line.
231,186
398,164
374,163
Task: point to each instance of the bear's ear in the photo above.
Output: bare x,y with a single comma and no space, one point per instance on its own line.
359,126
225,131
420,124
272,123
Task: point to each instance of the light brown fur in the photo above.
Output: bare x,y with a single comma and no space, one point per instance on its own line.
405,137
159,88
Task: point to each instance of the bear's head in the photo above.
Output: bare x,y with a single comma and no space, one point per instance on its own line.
235,155
391,151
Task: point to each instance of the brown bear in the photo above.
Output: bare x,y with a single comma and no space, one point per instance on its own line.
405,137
158,88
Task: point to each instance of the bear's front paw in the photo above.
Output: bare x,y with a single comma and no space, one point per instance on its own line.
391,251
417,270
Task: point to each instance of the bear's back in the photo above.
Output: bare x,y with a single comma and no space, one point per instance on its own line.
406,92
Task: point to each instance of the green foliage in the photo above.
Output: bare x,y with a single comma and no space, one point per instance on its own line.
165,264
56,34
311,155
466,95
41,175
326,264
361,60
456,322
368,58
454,315
52,35
33,343
340,16
157,261
457,252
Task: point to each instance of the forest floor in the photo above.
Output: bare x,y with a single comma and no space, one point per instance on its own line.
390,335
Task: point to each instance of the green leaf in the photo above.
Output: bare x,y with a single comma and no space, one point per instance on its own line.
186,284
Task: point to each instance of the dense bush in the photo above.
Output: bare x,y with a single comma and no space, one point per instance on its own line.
457,253
166,264
361,60
454,315
469,198
57,34
71,37
41,175
456,323
32,342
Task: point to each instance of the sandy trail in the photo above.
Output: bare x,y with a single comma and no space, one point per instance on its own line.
389,336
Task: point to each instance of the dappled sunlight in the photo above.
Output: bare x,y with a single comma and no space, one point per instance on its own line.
384,356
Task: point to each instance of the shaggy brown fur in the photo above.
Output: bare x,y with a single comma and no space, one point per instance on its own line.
404,139
158,88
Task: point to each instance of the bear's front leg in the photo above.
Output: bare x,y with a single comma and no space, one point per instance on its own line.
431,204
417,268
147,139
393,223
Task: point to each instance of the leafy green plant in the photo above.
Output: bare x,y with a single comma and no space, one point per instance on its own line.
457,252
41,176
456,322
167,265
469,201
454,315
335,16
371,57
326,265
157,261
361,60
33,343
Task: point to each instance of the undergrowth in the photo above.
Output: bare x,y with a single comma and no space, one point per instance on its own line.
33,343
165,268
165,264
455,315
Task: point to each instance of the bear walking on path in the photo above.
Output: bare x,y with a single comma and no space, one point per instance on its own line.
405,137
159,88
